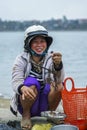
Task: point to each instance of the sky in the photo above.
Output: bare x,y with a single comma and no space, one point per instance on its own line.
42,9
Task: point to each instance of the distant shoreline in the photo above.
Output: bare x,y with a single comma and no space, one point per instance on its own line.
51,24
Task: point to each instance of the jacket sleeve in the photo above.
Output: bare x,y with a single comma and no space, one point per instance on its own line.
18,73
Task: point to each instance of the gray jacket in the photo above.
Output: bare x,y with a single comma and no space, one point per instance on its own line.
21,69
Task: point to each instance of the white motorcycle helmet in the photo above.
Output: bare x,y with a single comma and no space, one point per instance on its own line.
33,31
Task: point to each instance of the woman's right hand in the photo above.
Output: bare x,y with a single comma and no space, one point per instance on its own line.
29,92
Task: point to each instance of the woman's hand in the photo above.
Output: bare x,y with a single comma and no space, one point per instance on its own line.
57,58
29,92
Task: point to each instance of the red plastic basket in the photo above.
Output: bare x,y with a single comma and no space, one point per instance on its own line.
75,105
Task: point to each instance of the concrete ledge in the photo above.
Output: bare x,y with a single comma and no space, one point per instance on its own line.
6,115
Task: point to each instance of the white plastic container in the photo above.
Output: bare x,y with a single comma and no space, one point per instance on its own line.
64,127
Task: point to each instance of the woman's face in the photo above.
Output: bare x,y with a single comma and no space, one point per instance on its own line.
39,44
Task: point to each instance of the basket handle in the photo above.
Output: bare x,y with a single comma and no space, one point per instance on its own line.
71,79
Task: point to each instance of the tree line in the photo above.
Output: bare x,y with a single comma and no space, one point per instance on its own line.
52,24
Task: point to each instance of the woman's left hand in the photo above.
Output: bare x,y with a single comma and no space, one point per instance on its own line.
57,58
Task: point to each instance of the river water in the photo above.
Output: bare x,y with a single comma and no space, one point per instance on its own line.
72,45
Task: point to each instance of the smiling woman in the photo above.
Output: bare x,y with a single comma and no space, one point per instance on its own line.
38,45
34,93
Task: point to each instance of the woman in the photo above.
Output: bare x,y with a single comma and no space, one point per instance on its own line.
36,77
